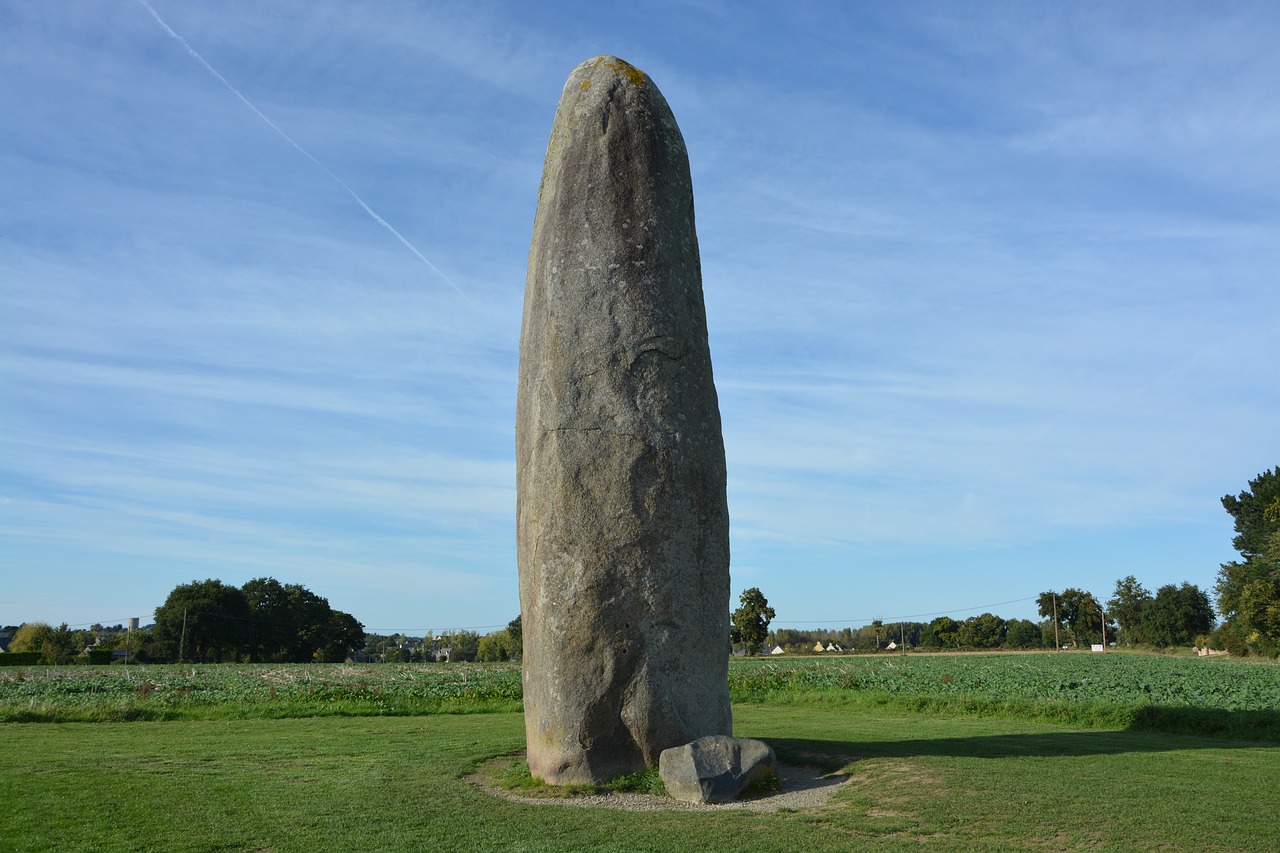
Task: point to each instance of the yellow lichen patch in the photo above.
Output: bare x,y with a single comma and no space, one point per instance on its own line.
635,75
586,84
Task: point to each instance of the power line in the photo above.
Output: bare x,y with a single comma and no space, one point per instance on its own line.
413,631
898,618
105,623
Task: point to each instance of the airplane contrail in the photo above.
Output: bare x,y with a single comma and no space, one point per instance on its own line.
305,153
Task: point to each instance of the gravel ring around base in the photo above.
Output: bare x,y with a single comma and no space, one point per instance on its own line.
802,788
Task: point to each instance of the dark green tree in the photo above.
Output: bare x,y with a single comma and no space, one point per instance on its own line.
1127,606
205,621
1177,615
1248,590
290,622
751,620
1022,634
1079,614
945,633
343,638
982,632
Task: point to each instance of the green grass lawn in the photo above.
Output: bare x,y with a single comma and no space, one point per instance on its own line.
921,782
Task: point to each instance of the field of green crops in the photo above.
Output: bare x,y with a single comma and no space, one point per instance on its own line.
1230,698
1111,678
201,691
1112,690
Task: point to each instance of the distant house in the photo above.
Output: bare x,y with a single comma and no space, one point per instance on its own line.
832,647
892,645
775,650
818,647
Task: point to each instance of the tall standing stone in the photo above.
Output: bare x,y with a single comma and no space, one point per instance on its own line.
622,521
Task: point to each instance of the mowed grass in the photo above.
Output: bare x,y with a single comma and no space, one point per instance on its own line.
920,782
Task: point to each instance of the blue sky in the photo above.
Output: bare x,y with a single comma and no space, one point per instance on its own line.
992,289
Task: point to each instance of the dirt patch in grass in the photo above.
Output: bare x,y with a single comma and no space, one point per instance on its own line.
800,788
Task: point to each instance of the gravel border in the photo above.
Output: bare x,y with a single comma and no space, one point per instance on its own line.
802,788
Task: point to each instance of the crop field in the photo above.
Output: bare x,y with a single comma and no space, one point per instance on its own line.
1112,690
1117,678
190,691
1117,690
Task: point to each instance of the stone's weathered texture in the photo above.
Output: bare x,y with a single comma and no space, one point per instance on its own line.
622,521
715,769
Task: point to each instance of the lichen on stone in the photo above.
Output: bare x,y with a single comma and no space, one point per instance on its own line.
635,75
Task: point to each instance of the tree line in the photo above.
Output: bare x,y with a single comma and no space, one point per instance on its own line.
262,621
1177,615
984,631
61,645
267,621
1247,591
449,646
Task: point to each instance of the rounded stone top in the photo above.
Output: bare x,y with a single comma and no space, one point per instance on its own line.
607,83
606,68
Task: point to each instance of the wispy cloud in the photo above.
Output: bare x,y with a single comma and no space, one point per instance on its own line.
304,152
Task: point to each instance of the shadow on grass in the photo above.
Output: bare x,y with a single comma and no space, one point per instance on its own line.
1226,730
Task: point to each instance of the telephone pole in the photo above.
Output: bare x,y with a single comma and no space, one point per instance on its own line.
1057,643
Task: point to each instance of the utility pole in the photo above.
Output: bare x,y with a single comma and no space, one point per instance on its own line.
1057,643
182,640
1104,629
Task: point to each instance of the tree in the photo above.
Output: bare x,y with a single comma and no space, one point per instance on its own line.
751,620
945,632
983,632
507,644
1047,604
515,634
55,645
1177,615
263,621
1127,605
1248,590
203,621
343,637
1078,612
291,624
1022,634
463,646
30,637
494,647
